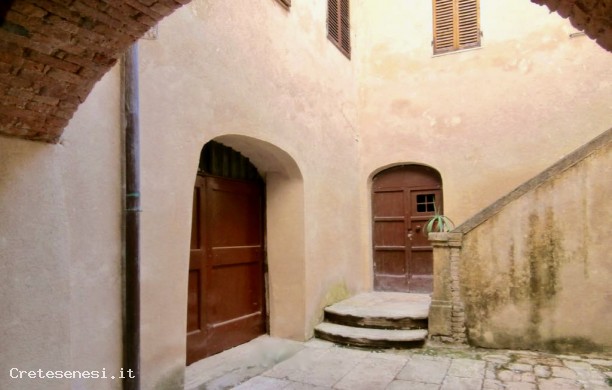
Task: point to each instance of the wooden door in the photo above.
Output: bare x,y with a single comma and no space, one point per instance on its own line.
403,199
225,287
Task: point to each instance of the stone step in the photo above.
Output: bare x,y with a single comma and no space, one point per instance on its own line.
371,338
381,310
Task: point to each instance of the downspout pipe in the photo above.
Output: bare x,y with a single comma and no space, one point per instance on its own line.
131,262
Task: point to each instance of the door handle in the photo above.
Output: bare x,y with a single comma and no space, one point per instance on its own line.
410,235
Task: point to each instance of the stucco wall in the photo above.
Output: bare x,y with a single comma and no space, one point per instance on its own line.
60,248
537,274
268,83
259,78
486,119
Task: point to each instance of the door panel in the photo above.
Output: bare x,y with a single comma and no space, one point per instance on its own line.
196,308
390,234
230,266
193,302
389,241
235,295
391,262
389,203
403,200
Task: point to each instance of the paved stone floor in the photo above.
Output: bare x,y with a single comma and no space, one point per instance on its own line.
268,364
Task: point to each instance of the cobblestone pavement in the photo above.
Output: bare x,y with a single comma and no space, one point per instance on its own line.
320,365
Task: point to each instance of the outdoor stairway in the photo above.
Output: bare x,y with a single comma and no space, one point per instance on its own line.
377,320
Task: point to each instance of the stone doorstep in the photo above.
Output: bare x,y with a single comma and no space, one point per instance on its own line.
374,322
377,320
372,338
389,305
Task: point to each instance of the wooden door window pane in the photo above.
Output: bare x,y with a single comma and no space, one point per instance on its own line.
426,203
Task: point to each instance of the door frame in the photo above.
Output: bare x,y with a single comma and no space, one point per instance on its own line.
436,185
285,238
223,161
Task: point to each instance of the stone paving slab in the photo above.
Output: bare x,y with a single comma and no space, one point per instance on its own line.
319,365
425,369
236,365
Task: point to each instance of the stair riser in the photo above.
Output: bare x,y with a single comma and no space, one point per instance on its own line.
376,322
366,343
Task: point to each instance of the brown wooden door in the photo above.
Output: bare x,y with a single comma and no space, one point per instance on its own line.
226,288
403,199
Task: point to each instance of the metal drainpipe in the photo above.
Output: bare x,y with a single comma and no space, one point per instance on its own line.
131,265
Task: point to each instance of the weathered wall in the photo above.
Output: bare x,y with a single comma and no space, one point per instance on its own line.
267,82
537,274
60,249
487,119
54,51
258,78
217,70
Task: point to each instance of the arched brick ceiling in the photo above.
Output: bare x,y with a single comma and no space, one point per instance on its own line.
594,17
52,52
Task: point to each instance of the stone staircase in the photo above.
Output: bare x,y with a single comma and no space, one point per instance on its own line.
377,320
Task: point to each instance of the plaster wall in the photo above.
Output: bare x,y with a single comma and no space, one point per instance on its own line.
486,119
266,82
253,76
537,274
60,249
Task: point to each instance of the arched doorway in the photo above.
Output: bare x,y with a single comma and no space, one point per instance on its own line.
403,199
226,292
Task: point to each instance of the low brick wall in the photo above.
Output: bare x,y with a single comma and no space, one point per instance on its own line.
447,312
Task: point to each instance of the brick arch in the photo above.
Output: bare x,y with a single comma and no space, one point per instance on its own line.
52,52
594,17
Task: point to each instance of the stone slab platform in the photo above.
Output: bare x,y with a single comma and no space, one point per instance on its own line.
268,363
391,305
371,338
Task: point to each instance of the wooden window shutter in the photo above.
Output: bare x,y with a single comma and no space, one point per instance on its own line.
469,24
285,3
456,25
338,25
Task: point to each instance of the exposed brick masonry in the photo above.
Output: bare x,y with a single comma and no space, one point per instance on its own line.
52,52
594,17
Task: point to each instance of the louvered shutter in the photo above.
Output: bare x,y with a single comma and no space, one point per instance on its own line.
345,36
456,25
338,25
468,20
286,3
333,28
444,31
